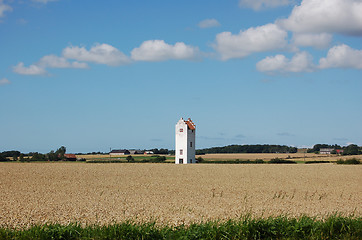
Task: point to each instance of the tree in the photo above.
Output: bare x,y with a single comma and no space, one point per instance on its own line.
351,149
38,157
129,158
60,152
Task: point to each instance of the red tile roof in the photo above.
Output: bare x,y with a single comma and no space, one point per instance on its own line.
190,124
70,156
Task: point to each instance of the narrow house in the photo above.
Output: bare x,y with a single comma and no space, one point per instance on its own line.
185,142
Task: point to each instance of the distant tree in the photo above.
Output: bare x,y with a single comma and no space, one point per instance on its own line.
129,158
199,159
10,154
38,157
351,149
317,147
158,158
3,158
60,153
249,149
52,156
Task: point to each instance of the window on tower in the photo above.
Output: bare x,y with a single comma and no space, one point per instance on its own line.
181,151
190,144
181,129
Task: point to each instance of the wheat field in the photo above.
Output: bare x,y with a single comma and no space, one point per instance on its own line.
269,156
38,193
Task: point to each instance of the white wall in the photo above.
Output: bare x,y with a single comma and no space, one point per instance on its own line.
183,140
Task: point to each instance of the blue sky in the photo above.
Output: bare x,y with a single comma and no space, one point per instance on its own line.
94,75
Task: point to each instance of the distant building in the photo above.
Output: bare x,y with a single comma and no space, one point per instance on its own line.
119,152
148,152
136,151
185,142
339,151
326,150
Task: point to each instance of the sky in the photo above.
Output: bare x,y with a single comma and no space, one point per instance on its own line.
95,75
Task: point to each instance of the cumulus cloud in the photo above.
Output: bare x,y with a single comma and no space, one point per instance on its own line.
301,62
49,61
320,41
53,61
4,8
260,39
100,53
4,81
261,4
330,16
342,56
31,70
209,23
158,50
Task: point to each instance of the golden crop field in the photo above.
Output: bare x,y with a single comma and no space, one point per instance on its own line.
36,193
269,156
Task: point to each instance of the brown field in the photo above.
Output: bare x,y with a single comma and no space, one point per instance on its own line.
87,193
268,156
245,156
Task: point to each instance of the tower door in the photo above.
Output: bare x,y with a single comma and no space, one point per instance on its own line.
180,160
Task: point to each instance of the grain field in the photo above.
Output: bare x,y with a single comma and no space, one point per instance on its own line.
37,193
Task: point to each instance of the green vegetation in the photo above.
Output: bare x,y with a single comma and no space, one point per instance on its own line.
334,227
281,161
351,149
316,161
236,161
349,161
133,159
249,149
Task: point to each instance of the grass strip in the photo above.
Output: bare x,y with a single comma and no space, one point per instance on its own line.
334,227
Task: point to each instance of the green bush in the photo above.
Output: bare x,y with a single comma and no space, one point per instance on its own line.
349,161
281,161
199,159
129,158
310,162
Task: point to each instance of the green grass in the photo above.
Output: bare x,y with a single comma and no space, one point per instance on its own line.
334,227
352,161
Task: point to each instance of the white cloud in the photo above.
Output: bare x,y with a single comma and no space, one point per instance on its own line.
330,16
320,41
100,53
342,56
158,50
4,8
31,70
301,62
261,4
4,81
260,39
209,23
53,61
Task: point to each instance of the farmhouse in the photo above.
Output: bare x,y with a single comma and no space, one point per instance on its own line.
326,150
185,142
136,151
119,152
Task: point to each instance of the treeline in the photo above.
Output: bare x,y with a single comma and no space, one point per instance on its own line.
249,149
351,149
56,155
161,151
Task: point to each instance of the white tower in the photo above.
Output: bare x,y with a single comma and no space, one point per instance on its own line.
185,142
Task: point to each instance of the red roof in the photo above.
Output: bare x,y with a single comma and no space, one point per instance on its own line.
70,156
190,124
